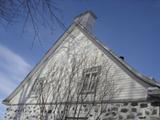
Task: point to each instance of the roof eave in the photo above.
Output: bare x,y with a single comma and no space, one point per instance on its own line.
5,102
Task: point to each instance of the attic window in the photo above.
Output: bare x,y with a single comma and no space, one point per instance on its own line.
90,79
37,87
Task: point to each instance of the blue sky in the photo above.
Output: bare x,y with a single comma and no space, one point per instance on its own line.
131,28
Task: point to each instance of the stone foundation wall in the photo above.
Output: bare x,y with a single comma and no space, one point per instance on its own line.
118,111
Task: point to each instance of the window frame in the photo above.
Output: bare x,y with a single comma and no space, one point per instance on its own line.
37,86
91,71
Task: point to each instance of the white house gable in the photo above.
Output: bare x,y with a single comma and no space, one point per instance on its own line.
77,46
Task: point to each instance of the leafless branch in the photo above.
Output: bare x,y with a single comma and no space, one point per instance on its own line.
39,13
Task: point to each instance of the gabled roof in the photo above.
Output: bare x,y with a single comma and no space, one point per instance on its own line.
106,50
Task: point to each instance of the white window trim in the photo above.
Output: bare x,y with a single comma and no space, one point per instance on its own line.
90,71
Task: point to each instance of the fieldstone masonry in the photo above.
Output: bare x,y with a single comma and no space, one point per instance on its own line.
117,111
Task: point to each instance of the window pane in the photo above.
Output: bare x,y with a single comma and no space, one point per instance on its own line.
86,79
90,79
